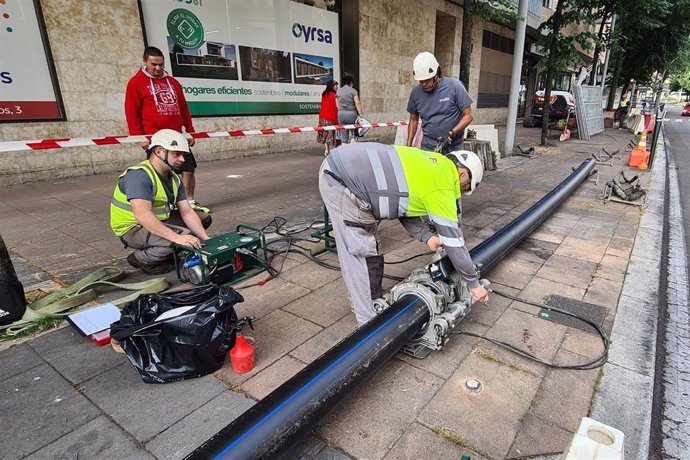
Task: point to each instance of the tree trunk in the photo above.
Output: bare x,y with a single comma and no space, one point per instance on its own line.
597,49
614,80
550,67
466,46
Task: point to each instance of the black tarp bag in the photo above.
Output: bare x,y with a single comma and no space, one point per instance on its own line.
181,335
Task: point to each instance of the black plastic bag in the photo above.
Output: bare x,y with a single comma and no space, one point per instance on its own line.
191,344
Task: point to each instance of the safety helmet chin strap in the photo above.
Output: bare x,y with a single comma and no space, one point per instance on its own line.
165,160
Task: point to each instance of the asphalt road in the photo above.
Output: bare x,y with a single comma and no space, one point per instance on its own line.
672,403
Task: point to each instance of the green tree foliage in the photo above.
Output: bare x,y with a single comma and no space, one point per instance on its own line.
651,41
561,51
501,11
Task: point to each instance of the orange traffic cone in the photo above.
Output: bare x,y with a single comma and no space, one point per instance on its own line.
643,140
640,155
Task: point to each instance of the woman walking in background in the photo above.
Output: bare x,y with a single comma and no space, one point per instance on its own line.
349,109
328,116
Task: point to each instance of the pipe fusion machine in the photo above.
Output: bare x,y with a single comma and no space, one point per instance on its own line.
224,259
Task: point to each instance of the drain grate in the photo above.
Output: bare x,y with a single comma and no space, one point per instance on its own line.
594,313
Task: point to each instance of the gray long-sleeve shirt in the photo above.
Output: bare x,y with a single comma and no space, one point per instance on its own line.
407,184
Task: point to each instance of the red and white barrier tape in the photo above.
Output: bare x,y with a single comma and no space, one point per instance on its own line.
14,146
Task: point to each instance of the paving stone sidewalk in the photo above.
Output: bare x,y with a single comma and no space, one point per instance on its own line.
62,397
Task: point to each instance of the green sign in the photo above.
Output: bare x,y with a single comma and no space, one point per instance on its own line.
185,28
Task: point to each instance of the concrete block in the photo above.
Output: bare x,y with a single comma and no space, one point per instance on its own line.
533,250
259,386
539,288
648,244
374,417
445,361
613,268
550,233
628,407
59,348
419,441
603,292
503,401
100,438
489,313
193,430
578,248
620,247
145,410
307,449
530,333
260,301
633,339
18,359
582,343
326,339
38,407
564,396
310,275
324,306
568,270
514,272
539,437
639,282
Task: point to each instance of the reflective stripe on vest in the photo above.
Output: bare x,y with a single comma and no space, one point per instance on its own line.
121,215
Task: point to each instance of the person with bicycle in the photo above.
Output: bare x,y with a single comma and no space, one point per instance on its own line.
441,102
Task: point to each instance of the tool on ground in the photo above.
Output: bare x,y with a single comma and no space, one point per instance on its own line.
565,135
625,190
604,157
443,144
224,259
529,153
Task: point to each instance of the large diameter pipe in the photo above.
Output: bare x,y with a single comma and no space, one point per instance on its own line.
488,253
279,421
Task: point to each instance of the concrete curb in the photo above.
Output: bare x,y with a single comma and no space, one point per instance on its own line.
626,388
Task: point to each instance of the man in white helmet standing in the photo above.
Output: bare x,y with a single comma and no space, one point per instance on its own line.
149,210
364,183
443,104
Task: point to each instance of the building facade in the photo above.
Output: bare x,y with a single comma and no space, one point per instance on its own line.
95,47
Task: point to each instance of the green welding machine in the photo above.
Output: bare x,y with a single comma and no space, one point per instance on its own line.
224,259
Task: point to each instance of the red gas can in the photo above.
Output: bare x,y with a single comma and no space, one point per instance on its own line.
242,355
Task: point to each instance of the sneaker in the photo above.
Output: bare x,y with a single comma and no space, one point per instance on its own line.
149,269
198,207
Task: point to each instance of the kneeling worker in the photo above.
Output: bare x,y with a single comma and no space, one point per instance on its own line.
149,210
364,183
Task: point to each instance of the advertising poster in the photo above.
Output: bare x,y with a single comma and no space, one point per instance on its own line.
27,89
246,57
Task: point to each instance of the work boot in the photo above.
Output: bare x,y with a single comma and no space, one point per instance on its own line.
150,269
198,207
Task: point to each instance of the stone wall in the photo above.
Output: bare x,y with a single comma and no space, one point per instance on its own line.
97,47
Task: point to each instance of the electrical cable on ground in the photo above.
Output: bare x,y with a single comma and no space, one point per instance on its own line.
593,364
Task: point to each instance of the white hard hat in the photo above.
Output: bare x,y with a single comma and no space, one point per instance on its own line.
471,161
425,66
170,139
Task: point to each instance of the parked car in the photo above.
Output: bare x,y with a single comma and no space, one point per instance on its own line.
562,102
685,112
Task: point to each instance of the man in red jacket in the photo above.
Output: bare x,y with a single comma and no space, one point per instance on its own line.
154,101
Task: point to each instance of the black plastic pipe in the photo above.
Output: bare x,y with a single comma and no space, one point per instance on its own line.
279,421
488,253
